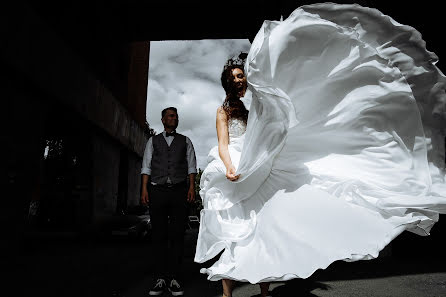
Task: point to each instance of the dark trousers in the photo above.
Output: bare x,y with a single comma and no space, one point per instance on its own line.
168,210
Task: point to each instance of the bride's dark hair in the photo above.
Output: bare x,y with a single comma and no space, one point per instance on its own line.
232,105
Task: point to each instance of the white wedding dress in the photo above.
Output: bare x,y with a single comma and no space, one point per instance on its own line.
343,150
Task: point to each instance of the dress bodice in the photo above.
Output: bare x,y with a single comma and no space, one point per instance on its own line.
236,128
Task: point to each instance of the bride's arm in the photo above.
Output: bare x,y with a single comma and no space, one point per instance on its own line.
223,137
223,141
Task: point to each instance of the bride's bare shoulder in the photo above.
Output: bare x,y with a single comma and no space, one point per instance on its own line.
221,113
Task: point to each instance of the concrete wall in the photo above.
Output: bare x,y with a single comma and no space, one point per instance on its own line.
105,176
34,50
134,180
42,70
106,159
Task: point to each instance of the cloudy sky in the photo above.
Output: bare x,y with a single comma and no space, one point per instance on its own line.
186,74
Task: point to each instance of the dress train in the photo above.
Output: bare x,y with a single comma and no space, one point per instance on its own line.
343,149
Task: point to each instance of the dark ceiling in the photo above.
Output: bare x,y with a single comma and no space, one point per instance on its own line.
182,20
101,30
99,22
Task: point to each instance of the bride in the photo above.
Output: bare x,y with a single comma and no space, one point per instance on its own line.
343,148
231,122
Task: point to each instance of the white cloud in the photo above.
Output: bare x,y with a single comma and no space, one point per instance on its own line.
186,74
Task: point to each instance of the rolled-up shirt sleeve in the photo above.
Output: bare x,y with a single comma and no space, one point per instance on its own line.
147,158
191,158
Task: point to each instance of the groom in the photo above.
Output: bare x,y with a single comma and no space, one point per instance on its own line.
168,179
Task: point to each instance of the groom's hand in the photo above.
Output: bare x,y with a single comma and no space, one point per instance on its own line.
145,197
191,195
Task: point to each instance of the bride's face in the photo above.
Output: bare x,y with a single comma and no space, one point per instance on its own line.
239,80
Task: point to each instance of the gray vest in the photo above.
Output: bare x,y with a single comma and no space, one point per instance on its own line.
169,161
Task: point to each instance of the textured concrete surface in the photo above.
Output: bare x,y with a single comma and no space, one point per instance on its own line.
65,266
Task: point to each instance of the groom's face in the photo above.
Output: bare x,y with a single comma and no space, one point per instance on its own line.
170,119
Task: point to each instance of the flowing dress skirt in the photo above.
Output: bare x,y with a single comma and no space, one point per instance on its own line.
343,151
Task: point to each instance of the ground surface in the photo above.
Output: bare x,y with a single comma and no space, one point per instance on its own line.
66,266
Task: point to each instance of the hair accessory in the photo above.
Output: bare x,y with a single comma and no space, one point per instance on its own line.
237,60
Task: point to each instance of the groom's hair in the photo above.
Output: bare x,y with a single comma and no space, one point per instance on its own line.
163,113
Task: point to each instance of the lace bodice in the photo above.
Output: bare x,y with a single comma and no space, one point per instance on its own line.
236,128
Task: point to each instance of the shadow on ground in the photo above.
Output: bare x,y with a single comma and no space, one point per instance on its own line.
118,266
297,287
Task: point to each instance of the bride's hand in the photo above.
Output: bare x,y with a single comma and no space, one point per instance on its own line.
230,173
